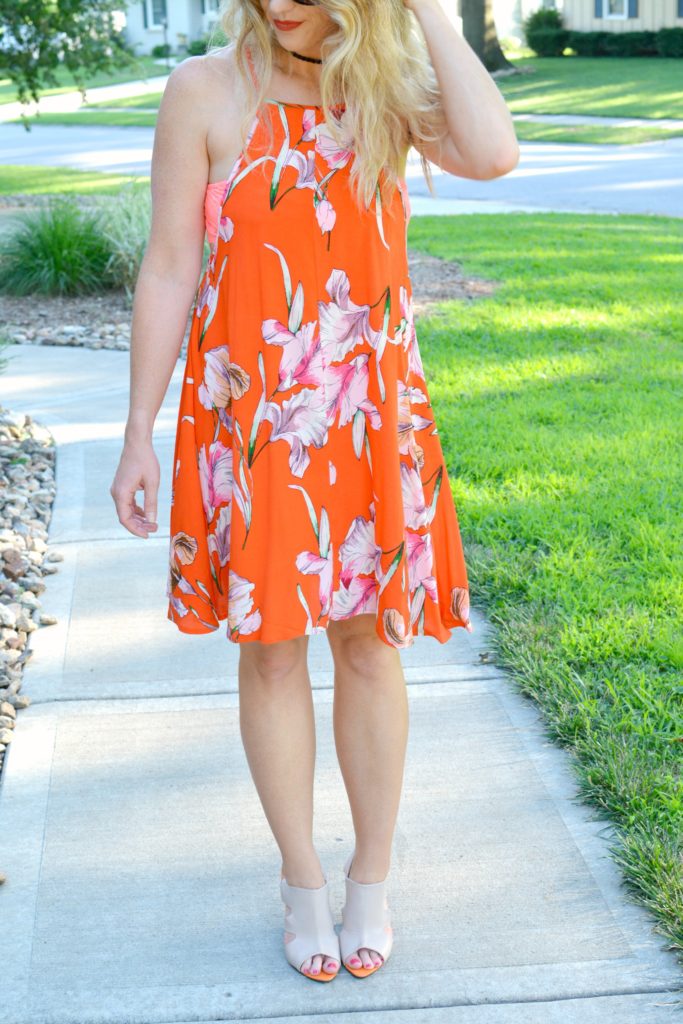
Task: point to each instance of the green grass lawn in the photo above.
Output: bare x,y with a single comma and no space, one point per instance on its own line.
141,67
631,87
559,408
149,100
43,180
606,86
123,117
591,135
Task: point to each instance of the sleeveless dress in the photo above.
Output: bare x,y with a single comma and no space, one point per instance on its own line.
308,479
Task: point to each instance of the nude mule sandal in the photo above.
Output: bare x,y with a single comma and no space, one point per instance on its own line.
366,921
309,918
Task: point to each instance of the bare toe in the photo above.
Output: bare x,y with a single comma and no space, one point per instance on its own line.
315,964
365,957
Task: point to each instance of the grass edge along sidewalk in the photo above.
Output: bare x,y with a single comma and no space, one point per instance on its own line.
558,404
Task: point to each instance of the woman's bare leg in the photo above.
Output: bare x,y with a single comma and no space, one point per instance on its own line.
370,716
278,732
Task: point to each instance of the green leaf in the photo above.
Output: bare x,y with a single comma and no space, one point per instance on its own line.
311,509
378,212
258,416
393,567
358,431
285,273
281,159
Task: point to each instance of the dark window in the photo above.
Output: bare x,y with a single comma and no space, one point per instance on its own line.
158,11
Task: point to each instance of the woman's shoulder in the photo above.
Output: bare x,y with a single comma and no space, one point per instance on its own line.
201,77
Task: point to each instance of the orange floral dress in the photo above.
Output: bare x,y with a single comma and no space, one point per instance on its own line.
308,478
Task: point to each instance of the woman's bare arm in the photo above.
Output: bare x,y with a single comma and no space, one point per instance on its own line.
480,141
166,284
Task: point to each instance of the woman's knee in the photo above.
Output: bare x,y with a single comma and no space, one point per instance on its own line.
276,661
357,648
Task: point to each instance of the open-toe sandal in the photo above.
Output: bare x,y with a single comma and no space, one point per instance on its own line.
366,921
308,917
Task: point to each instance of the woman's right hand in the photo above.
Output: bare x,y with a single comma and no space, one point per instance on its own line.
138,469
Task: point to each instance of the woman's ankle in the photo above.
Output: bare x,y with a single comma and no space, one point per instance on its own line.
307,874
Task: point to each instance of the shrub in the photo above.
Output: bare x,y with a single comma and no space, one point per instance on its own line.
58,249
161,50
125,228
588,44
669,42
545,33
544,17
630,44
197,47
549,42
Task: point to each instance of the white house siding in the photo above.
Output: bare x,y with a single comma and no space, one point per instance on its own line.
510,14
652,15
186,22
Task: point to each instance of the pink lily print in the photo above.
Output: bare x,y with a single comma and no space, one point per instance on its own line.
301,422
207,299
346,396
317,562
344,323
243,618
183,551
406,331
420,572
417,513
409,421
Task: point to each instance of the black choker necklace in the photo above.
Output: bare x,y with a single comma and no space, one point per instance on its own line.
313,60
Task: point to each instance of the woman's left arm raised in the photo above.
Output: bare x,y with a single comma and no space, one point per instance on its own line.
481,141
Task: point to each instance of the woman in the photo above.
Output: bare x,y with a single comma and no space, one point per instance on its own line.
309,491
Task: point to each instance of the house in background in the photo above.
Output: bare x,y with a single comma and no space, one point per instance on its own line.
176,22
622,15
187,20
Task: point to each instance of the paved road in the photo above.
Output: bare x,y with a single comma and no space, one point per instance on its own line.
142,879
644,178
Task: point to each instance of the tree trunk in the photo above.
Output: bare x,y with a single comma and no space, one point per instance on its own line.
479,29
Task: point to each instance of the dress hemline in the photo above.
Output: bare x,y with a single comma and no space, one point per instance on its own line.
442,636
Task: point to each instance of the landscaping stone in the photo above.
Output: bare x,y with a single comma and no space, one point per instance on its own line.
27,491
103,321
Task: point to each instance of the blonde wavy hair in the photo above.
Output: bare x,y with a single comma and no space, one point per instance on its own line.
376,62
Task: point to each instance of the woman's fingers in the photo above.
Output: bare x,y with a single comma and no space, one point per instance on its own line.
137,471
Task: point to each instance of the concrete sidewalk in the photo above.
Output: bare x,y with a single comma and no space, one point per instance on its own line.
142,878
646,178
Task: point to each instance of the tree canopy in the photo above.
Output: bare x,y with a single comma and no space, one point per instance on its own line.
39,36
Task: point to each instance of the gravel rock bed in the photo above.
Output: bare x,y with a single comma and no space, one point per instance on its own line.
27,491
103,321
